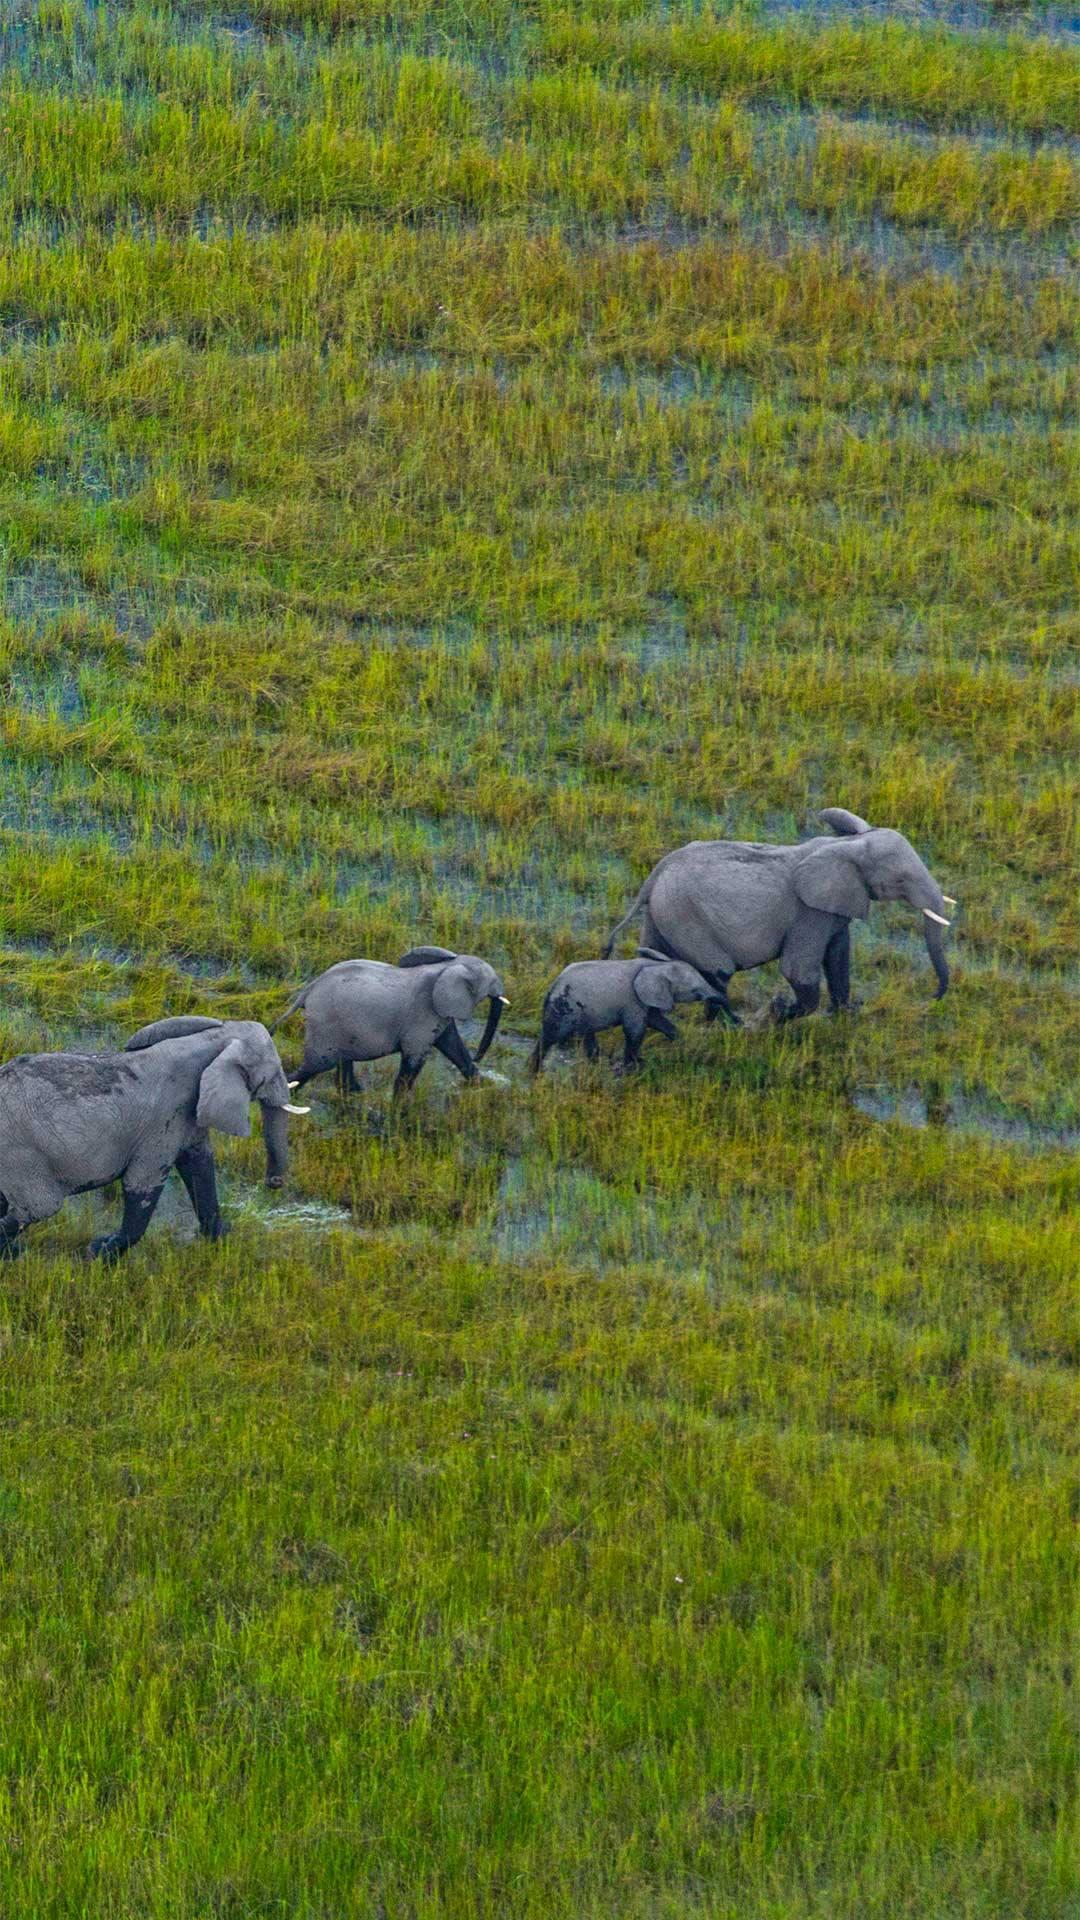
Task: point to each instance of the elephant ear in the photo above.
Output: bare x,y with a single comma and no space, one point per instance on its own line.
843,822
653,988
176,1028
224,1094
425,956
828,878
650,953
455,994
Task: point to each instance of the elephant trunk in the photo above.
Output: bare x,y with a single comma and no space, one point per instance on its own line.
935,947
276,1141
495,1009
922,892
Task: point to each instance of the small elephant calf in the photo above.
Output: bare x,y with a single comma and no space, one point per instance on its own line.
635,995
364,1009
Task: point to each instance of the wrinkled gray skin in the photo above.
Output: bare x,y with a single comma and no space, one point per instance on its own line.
636,995
275,1124
728,904
70,1122
364,1009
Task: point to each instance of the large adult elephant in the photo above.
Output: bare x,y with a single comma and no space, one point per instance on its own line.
185,1026
71,1122
725,905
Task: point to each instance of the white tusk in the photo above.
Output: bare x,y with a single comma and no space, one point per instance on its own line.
287,1109
502,999
948,899
940,918
294,1083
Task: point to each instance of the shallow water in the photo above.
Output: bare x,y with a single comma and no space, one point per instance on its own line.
174,1217
571,1215
964,16
965,1113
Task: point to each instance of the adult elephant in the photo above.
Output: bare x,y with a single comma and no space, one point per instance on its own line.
725,905
185,1026
365,1009
71,1122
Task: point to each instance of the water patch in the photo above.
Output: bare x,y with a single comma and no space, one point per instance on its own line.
40,591
964,1113
875,242
963,16
798,129
571,1215
96,475
174,1216
280,1213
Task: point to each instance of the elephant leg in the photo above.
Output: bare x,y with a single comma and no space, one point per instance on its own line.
310,1068
720,1006
346,1078
633,1035
196,1169
10,1229
452,1047
805,1001
838,967
407,1073
802,957
139,1204
659,1023
591,1046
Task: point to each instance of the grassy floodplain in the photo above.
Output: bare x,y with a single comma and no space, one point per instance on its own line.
449,455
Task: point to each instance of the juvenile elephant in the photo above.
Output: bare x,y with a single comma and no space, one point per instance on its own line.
364,1009
729,904
71,1122
592,995
274,1124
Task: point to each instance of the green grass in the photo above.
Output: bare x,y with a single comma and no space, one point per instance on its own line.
447,457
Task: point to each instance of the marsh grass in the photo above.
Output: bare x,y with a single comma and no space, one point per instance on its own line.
447,456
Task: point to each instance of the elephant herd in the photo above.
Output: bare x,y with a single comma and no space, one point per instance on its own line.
73,1122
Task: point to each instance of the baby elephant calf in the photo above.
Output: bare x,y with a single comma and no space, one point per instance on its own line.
635,995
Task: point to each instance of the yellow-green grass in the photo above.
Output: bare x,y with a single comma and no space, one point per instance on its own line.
437,474
942,77
418,138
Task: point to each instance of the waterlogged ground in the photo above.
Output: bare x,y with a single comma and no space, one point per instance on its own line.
448,456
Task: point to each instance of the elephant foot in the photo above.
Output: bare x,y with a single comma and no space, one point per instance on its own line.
217,1230
274,1180
109,1248
788,1010
845,1006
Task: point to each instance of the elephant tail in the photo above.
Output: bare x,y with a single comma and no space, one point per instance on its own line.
639,905
296,1001
536,1057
